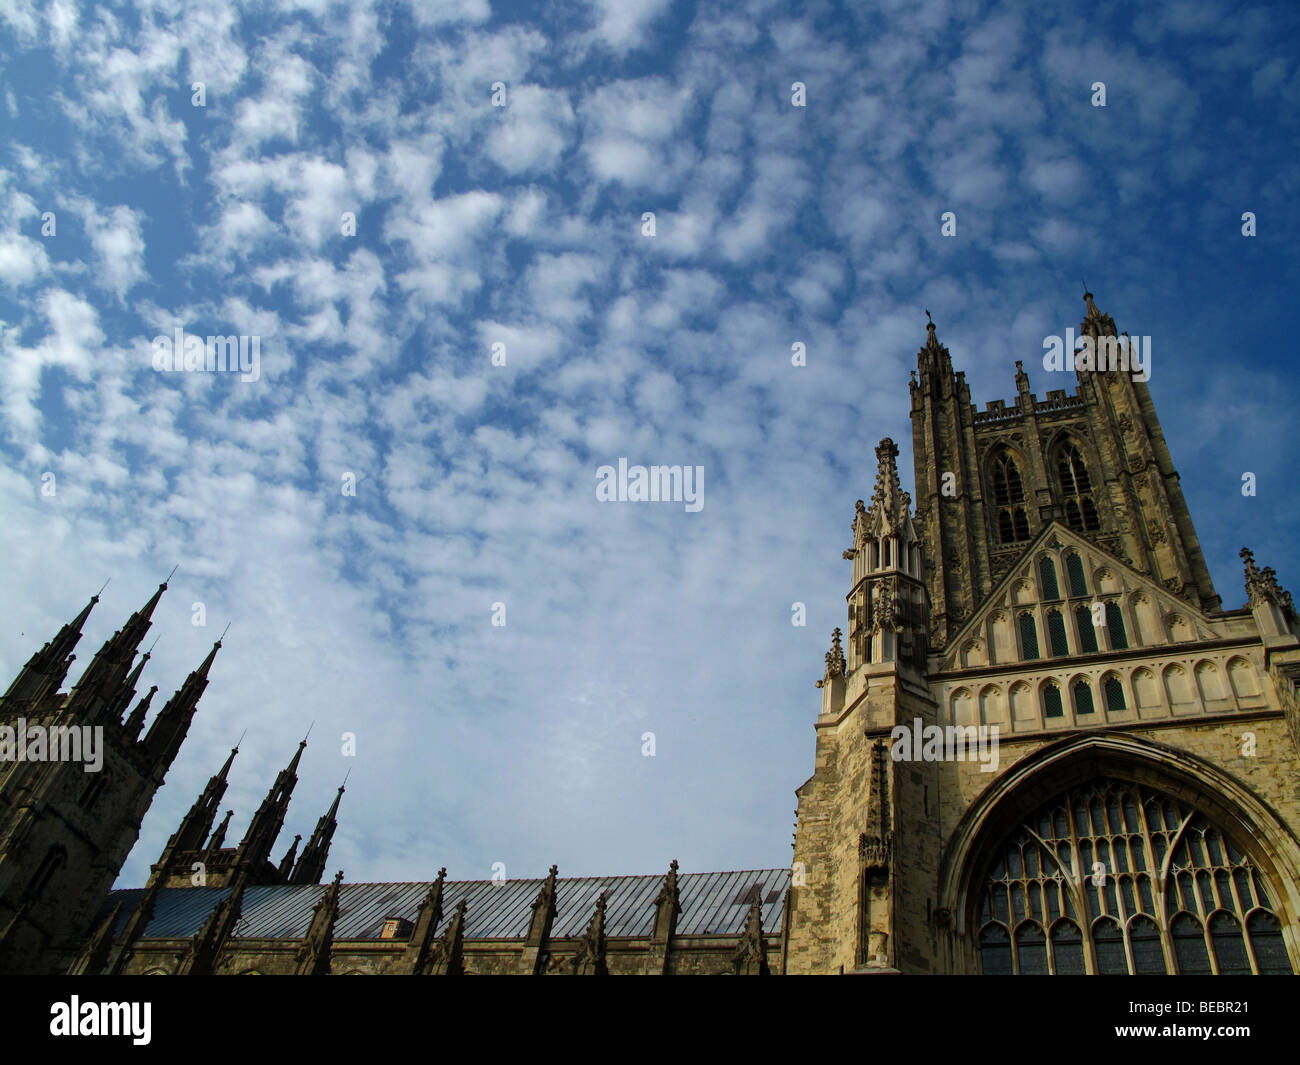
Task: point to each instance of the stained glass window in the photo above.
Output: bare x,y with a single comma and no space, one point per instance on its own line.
1094,858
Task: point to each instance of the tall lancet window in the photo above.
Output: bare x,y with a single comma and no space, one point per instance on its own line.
1008,498
1076,490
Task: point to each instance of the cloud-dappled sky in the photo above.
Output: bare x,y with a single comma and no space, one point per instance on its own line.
522,225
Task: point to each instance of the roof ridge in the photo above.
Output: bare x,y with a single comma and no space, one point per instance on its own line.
484,880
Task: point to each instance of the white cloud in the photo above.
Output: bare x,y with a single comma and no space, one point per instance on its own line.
119,247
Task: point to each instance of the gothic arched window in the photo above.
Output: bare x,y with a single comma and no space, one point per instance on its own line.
1052,701
1083,697
1115,625
1056,633
1076,490
1028,637
1008,498
1087,634
55,859
90,795
1074,567
1047,579
1094,859
1114,694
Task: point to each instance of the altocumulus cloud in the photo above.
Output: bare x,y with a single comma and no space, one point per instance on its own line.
460,312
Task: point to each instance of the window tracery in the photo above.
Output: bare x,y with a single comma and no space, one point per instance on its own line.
1082,887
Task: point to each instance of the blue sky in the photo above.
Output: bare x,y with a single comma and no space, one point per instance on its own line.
522,225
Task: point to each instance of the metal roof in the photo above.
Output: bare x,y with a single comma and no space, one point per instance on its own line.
712,903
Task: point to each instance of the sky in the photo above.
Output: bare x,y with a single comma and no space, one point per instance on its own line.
434,218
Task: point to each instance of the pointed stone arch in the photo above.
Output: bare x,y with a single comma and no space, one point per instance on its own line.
1210,684
1223,802
963,707
1075,473
1244,682
1179,692
1002,640
1005,471
1146,693
992,708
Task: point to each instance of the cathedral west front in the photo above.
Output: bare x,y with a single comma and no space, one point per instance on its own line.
1043,747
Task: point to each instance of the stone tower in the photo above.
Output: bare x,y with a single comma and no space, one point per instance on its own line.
988,481
1048,749
66,827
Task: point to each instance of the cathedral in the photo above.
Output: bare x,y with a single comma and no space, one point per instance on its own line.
1043,747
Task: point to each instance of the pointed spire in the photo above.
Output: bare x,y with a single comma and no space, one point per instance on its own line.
313,957
1095,322
539,927
449,953
197,824
890,508
101,684
888,488
218,839
933,358
137,922
297,757
286,863
47,669
1255,589
543,907
127,692
835,663
421,946
590,959
316,853
750,958
255,848
1262,586
94,957
169,728
667,904
1092,311
134,723
205,949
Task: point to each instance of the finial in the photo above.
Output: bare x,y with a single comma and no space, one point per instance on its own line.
309,728
96,596
149,653
929,320
171,575
345,778
835,663
223,634
241,739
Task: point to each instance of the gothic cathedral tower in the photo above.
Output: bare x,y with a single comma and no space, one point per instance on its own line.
1048,749
65,830
1096,461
